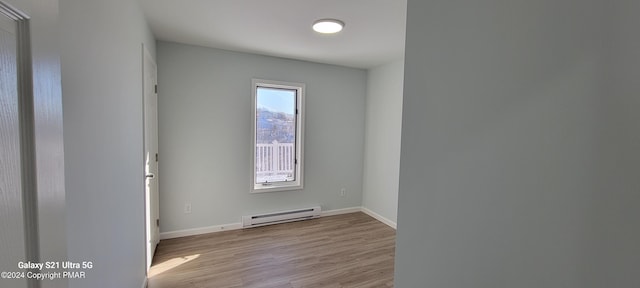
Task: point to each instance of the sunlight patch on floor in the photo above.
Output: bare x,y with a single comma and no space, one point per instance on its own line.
170,264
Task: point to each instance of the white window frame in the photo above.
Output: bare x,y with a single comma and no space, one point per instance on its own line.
297,184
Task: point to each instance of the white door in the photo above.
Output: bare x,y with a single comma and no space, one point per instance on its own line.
149,72
32,218
12,237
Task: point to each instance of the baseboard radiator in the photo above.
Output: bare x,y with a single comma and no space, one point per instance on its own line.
280,217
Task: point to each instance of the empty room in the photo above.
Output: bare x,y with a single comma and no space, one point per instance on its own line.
266,121
238,143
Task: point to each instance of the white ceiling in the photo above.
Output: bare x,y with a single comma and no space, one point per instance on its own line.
373,35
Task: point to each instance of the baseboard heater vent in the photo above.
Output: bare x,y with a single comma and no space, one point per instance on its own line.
280,217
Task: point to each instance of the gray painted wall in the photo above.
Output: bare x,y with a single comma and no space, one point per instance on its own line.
204,106
520,145
102,102
618,209
382,139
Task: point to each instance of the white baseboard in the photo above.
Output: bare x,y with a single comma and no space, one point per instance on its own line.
198,231
379,217
236,226
340,211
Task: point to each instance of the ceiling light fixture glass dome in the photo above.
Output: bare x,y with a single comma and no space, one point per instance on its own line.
328,26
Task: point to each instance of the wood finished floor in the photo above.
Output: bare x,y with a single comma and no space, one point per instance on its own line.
349,250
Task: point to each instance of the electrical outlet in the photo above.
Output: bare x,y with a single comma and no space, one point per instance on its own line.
343,192
187,208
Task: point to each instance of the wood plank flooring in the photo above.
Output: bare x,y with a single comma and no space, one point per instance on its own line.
349,250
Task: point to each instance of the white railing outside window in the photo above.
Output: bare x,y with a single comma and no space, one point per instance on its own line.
275,162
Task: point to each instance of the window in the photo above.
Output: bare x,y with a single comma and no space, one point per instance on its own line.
278,122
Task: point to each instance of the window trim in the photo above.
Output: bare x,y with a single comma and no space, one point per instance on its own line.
297,184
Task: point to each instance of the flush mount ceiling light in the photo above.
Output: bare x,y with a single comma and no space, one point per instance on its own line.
328,26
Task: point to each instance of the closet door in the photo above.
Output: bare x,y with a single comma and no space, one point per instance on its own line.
32,202
12,233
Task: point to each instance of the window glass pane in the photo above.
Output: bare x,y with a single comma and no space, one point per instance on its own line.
275,135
